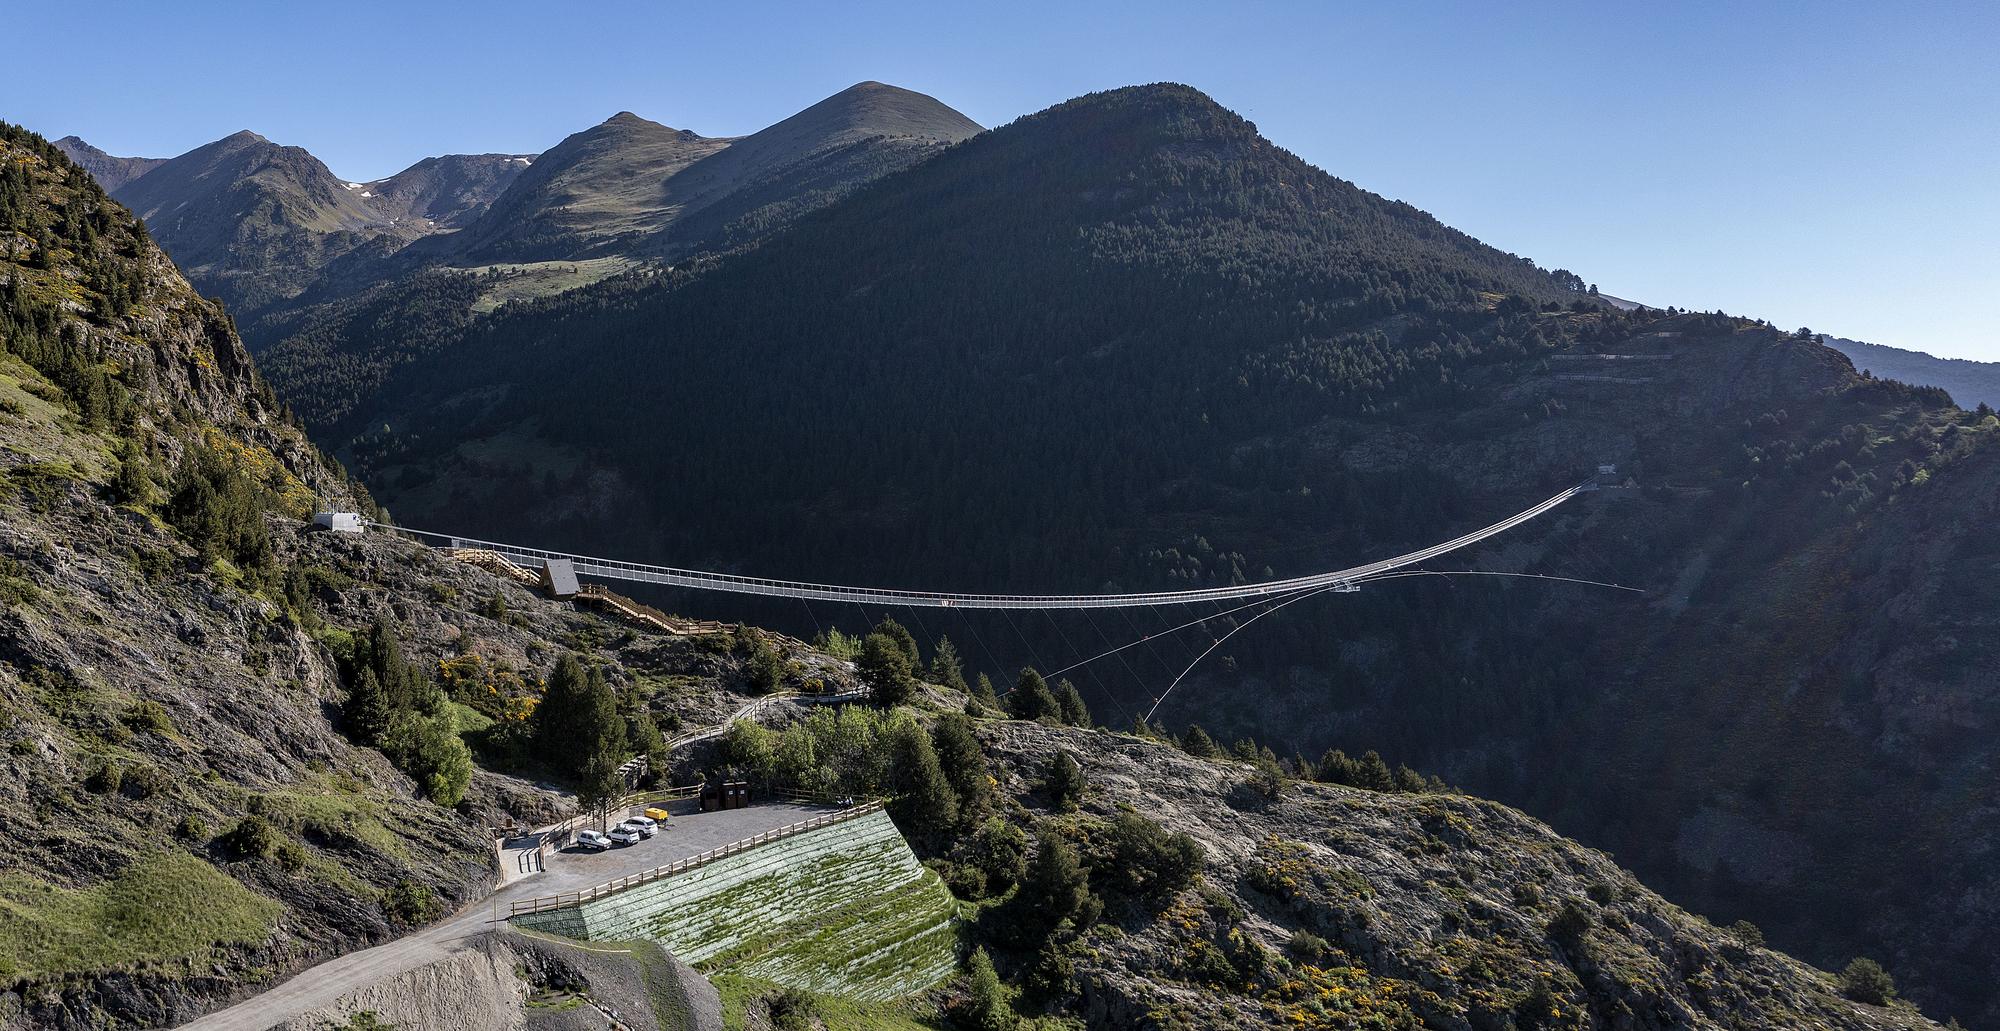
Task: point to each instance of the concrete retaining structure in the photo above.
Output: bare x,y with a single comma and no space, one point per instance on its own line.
844,908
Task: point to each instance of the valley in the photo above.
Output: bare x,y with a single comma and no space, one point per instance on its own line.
1126,349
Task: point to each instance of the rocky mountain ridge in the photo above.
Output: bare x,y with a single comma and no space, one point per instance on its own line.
260,225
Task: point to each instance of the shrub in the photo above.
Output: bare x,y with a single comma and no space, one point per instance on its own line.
765,671
1748,933
1570,923
149,716
1148,861
253,837
191,828
409,904
105,779
999,850
793,1009
1307,947
1864,980
145,782
291,857
429,749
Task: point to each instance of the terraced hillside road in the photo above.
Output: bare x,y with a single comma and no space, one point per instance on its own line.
323,985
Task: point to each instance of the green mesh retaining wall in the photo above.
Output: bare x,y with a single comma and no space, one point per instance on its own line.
845,909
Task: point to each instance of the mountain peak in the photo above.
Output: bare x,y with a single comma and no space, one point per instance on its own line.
110,172
244,136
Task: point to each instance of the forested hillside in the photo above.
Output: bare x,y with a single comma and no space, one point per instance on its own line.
1128,342
1970,383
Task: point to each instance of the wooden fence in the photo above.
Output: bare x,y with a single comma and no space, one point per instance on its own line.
612,887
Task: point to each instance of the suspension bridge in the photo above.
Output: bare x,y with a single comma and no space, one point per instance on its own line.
1266,596
1334,581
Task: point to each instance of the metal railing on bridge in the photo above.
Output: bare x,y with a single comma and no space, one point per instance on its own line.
614,569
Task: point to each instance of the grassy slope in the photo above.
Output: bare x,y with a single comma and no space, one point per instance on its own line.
166,906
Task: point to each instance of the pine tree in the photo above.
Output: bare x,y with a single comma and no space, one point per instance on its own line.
905,643
1031,699
556,714
964,764
1336,768
1069,705
1055,887
599,786
983,695
601,727
766,670
368,709
1373,773
924,804
578,718
1063,781
886,668
1864,980
131,485
1197,743
947,669
1409,780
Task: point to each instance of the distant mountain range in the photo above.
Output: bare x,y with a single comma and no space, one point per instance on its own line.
1968,382
253,222
259,224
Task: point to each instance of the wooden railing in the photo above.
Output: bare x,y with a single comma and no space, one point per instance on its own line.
495,562
612,887
641,613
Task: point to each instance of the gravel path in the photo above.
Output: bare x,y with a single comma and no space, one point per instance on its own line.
323,985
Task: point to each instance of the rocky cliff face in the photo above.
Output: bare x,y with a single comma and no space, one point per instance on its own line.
182,818
1435,910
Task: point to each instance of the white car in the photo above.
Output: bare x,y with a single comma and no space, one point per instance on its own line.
645,825
623,835
592,841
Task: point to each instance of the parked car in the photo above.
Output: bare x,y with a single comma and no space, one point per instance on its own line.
623,835
592,841
645,825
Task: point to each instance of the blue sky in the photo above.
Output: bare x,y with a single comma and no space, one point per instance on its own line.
1828,164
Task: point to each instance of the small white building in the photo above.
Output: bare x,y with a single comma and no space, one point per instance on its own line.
1607,470
340,522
